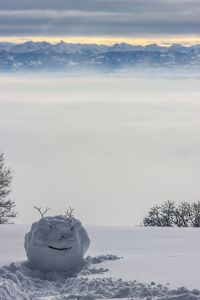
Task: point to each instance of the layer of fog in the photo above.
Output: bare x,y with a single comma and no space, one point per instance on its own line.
109,147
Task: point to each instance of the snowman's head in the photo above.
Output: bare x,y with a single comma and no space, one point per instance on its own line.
56,244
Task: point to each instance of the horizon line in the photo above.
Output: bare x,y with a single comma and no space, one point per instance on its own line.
161,41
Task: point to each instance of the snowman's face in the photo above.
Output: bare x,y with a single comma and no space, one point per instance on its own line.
56,241
58,236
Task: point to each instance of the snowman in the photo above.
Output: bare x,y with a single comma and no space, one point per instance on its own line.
56,244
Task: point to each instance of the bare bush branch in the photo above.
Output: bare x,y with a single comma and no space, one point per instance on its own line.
42,213
69,212
6,205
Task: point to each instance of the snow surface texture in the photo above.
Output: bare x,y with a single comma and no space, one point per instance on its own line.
22,283
150,255
56,244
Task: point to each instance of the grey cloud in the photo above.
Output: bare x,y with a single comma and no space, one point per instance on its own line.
103,5
99,17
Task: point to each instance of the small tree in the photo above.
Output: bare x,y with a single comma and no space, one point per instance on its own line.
161,215
167,213
183,216
196,214
6,205
154,217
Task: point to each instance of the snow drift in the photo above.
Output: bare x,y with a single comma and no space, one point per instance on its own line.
22,283
56,244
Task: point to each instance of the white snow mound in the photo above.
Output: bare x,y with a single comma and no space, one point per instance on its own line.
56,244
22,283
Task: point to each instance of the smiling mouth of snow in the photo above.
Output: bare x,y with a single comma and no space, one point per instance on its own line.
60,249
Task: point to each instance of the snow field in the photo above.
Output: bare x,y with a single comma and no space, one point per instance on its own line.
152,257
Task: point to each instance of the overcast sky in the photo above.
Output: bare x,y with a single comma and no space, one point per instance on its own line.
99,17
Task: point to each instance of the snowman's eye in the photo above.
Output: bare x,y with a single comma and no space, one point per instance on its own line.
50,226
72,228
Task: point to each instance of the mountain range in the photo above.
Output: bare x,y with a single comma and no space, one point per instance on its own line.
44,56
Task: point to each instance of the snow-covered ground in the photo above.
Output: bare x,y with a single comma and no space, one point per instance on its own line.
152,258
